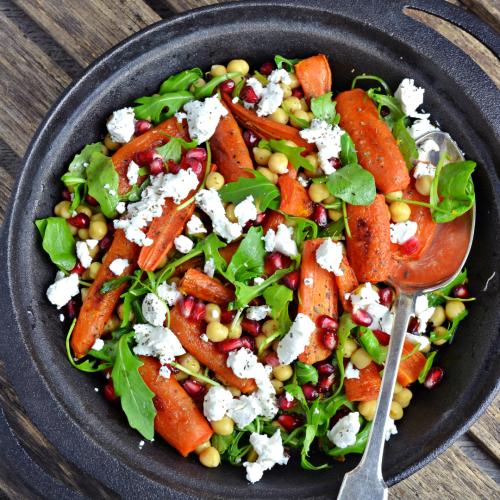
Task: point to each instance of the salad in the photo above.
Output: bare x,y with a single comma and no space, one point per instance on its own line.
223,254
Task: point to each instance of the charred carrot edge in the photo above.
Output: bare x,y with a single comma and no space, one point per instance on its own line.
190,264
315,76
154,138
189,332
273,220
410,368
97,307
227,252
377,149
265,128
295,199
203,287
368,249
317,299
367,387
229,150
178,420
346,283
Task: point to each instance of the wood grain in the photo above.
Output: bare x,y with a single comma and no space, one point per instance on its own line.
487,429
179,6
6,183
488,10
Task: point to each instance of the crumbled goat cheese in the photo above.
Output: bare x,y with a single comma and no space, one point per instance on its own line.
141,444
204,337
86,165
118,266
350,371
280,76
327,140
61,318
272,96
365,296
121,127
63,289
180,116
329,257
106,186
343,433
303,182
83,254
281,241
208,200
420,128
308,281
423,312
216,402
258,281
258,313
92,243
390,429
98,344
428,146
424,169
295,341
121,207
235,100
257,88
401,232
112,192
245,211
268,240
178,186
183,244
195,226
154,310
133,172
203,117
209,268
169,293
159,342
409,96
288,396
316,411
418,339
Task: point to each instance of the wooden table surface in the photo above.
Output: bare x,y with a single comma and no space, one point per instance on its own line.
45,45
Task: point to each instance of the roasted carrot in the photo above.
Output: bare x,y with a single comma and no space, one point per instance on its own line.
368,249
273,220
178,420
229,150
265,128
291,171
189,332
315,76
317,299
346,283
190,264
97,307
377,149
227,252
295,199
366,387
410,368
203,287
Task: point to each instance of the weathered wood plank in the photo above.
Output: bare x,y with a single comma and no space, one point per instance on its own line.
88,28
487,429
179,6
487,10
6,183
488,464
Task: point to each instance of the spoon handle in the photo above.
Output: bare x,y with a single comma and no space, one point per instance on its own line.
366,480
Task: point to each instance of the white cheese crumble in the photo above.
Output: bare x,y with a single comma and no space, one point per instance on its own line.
183,244
121,127
63,289
418,339
216,402
204,337
133,172
154,310
169,293
316,411
428,146
235,100
258,281
329,256
61,318
295,341
92,243
257,88
209,268
272,97
281,241
343,433
180,116
390,429
178,186
121,207
118,266
195,226
423,312
401,232
258,313
203,117
421,127
106,186
98,344
289,397
409,96
350,371
83,254
112,192
424,169
280,76
308,281
303,182
245,211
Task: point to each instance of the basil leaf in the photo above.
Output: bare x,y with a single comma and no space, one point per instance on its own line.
323,108
333,230
279,60
436,299
353,184
101,172
136,397
346,324
180,81
372,346
405,141
277,296
427,367
172,150
292,153
58,241
348,153
309,438
208,89
154,106
221,443
358,446
306,373
248,261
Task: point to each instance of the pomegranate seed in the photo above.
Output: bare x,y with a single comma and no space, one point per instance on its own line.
410,246
193,388
341,413
327,323
326,384
291,280
275,259
78,269
106,242
335,163
324,368
361,318
260,219
248,94
330,339
251,140
290,422
194,164
227,317
298,93
229,345
320,216
434,376
251,326
199,311
141,127
272,359
144,158
382,337
173,168
310,392
384,111
385,297
71,310
249,343
109,394
66,195
284,404
111,227
80,220
413,325
173,369
186,305
460,292
157,167
267,68
199,153
91,200
227,86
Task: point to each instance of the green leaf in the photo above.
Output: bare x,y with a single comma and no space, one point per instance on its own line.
358,446
333,230
237,89
258,186
427,367
208,89
277,297
451,330
323,108
438,298
327,410
221,443
299,121
180,81
372,345
346,324
376,78
306,373
135,193
305,229
348,153
309,438
279,60
396,112
136,397
58,241
353,184
292,153
405,141
172,150
297,392
77,169
210,247
248,261
101,172
154,106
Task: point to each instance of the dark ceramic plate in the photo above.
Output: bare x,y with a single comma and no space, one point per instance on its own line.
358,36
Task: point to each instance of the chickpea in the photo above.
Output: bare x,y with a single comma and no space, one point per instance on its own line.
94,269
236,333
252,455
423,185
198,83
72,229
287,91
202,447
395,194
171,252
276,423
94,251
313,160
396,411
270,327
230,213
218,70
98,216
181,376
163,263
282,372
263,356
349,347
360,358
213,312
103,260
86,275
311,116
278,386
440,331
453,309
82,209
367,409
318,192
275,344
62,210
427,348
217,332
112,324
174,280
222,380
335,215
388,212
238,65
397,388
223,427
294,83
403,398
292,104
437,319
215,180
97,230
344,249
259,340
121,313
290,223
304,107
110,144
210,457
71,189
189,362
84,292
270,176
261,156
83,234
279,116
330,200
400,211
278,163
234,391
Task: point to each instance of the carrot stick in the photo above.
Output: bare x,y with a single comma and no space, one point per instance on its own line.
295,199
315,76
203,287
178,420
273,220
189,332
368,249
377,149
291,171
227,252
321,297
229,150
410,368
346,283
154,138
366,387
97,307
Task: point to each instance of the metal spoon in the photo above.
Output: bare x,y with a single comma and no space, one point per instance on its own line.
366,480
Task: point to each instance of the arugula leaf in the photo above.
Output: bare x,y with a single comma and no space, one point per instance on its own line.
306,373
136,397
451,330
353,184
180,81
292,153
372,77
172,150
135,194
221,443
348,153
237,89
279,60
327,410
154,106
346,324
297,392
207,89
277,296
358,446
101,172
258,186
58,241
301,230
396,112
248,261
333,230
372,346
427,367
308,439
405,141
210,247
299,121
436,299
324,109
